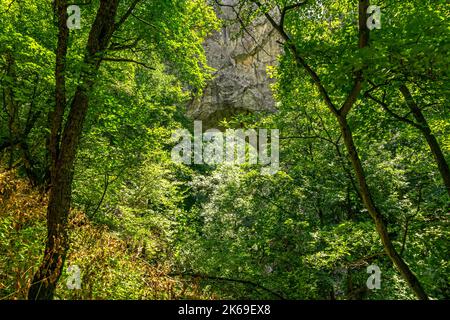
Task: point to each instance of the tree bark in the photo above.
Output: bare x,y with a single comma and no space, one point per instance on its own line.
62,168
11,106
429,137
380,226
56,116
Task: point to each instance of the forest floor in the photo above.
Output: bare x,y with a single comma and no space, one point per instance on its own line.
113,268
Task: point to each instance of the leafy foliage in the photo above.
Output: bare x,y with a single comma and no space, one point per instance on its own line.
143,227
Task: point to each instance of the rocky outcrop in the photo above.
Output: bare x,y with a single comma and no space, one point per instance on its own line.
240,57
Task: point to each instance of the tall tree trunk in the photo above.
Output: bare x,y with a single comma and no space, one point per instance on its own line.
56,116
375,214
62,169
46,278
429,137
11,105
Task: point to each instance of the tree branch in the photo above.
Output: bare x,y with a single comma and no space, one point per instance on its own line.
118,47
408,220
289,7
247,282
144,21
307,137
127,60
299,59
126,15
363,42
243,26
9,6
392,113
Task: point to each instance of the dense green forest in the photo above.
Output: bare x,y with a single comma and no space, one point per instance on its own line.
93,205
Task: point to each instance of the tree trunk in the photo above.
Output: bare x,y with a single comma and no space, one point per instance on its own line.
429,137
46,278
62,167
56,116
11,105
375,214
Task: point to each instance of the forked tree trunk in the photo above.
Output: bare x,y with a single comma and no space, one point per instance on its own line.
341,116
47,276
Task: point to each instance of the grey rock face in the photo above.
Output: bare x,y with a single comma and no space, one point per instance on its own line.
241,83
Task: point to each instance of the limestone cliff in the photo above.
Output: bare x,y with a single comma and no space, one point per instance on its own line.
241,58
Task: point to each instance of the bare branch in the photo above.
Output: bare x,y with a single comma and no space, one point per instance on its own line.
119,47
144,21
299,59
127,60
288,8
247,282
9,6
244,27
307,137
126,15
392,113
